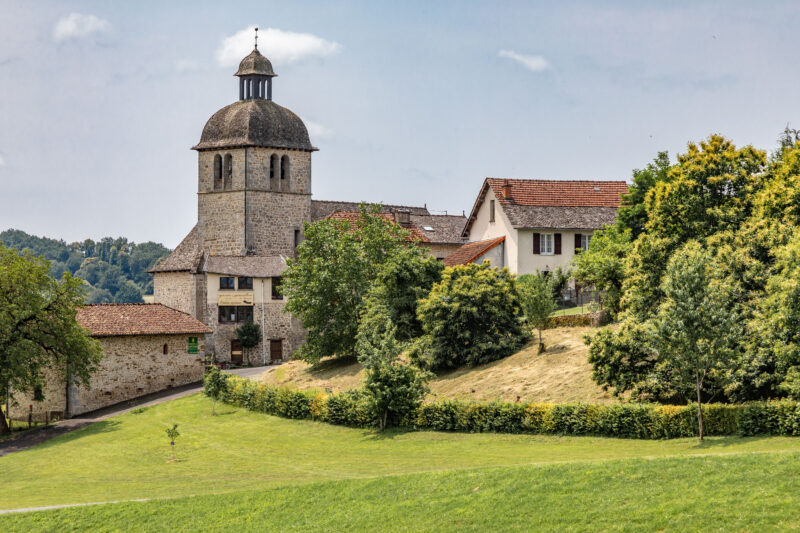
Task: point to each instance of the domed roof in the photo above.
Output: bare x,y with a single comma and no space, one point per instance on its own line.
255,63
255,122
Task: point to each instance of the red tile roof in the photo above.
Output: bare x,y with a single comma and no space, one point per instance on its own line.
417,235
558,193
471,251
108,320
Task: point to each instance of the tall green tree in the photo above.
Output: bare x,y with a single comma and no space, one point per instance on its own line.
602,266
394,387
633,215
696,328
538,303
335,267
404,279
38,326
472,316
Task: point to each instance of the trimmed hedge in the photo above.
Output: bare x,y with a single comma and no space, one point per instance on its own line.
632,421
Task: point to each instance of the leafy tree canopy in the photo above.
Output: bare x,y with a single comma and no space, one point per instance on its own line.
741,209
472,316
335,267
38,328
115,269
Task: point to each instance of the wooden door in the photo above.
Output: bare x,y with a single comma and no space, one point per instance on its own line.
276,350
236,352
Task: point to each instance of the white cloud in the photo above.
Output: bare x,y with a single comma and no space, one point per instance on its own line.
532,63
281,47
76,25
318,131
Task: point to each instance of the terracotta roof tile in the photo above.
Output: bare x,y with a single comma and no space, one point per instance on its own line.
417,234
558,193
108,320
471,251
553,204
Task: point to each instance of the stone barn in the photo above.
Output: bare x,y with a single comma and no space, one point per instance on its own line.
147,348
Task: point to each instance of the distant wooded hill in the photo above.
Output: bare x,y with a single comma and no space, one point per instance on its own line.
115,270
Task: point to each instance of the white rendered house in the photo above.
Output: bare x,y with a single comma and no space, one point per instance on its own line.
536,225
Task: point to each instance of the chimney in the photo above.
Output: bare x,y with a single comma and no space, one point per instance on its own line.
507,192
402,217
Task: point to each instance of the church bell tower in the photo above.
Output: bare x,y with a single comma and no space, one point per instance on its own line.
254,171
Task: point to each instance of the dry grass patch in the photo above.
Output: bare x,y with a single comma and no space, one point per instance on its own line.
561,374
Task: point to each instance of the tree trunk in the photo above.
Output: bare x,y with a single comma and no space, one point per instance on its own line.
4,428
541,343
699,408
383,420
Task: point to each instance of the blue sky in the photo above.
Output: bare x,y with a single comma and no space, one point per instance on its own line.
409,102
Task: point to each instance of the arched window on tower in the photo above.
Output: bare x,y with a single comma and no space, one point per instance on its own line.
227,172
285,173
273,172
217,172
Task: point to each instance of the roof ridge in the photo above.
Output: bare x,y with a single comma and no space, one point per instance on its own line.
539,180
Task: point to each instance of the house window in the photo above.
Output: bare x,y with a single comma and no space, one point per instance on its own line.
165,348
276,294
297,238
226,283
245,283
491,210
546,246
585,241
233,314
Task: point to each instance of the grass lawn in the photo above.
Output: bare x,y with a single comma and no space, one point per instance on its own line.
579,310
251,471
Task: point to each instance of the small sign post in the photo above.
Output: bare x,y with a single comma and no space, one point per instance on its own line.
193,345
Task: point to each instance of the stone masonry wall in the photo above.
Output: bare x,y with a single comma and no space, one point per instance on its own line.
136,365
440,251
273,218
176,290
132,366
277,326
221,222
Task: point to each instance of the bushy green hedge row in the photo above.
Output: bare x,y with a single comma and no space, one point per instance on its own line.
636,421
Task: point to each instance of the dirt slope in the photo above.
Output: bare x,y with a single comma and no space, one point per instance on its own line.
561,374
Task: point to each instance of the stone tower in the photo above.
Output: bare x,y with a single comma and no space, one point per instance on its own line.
254,171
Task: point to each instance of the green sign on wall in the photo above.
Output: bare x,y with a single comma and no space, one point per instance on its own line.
192,344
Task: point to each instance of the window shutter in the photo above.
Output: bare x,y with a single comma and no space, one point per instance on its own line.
578,243
536,243
557,244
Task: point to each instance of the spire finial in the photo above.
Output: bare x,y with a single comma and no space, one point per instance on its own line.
256,37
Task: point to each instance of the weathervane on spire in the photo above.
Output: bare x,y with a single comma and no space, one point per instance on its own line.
256,37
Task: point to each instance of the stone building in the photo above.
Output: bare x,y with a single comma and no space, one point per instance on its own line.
146,348
253,197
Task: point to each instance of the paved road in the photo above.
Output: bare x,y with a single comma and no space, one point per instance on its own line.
38,435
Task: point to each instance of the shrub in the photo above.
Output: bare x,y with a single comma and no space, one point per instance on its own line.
631,420
472,316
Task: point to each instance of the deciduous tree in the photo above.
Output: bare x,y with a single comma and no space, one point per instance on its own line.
38,326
